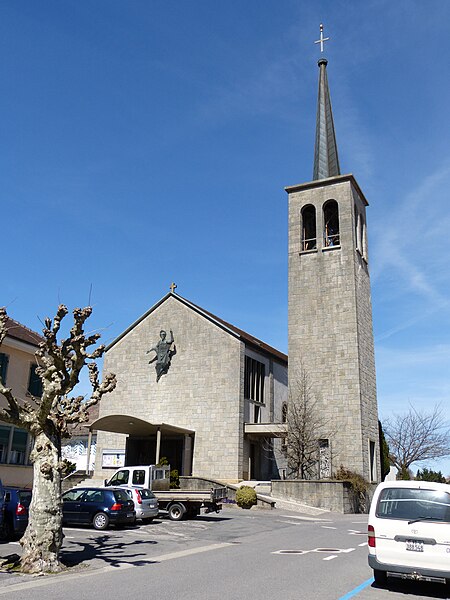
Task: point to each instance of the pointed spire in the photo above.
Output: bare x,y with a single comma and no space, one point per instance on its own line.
326,160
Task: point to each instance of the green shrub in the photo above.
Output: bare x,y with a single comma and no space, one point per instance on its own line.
359,486
245,496
174,479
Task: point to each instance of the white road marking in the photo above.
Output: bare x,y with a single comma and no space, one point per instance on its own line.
333,552
328,527
302,518
363,544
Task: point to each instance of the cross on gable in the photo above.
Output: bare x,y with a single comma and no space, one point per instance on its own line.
173,287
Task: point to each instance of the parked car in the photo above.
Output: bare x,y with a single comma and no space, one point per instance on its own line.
99,507
409,531
2,510
145,503
17,503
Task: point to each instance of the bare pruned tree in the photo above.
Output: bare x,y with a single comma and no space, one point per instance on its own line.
416,437
48,419
306,427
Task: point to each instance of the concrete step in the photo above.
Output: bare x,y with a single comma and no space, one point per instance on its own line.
292,505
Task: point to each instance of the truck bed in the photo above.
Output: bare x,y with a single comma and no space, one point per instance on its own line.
214,495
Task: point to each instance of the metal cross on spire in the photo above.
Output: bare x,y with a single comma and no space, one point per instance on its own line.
322,39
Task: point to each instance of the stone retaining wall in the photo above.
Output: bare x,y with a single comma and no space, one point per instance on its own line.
336,496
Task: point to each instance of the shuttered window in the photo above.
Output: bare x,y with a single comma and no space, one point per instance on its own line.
4,359
34,383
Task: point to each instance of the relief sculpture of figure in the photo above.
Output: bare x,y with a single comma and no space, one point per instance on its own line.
164,353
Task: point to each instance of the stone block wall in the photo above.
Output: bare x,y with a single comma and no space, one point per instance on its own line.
336,496
330,325
201,392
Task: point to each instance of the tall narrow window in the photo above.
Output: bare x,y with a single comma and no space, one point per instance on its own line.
364,239
309,236
324,459
18,447
254,380
4,442
331,235
4,358
372,461
357,229
284,412
34,383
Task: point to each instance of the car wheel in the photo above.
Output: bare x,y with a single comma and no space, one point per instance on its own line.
380,577
100,521
176,512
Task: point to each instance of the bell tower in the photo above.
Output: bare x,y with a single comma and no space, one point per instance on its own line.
330,332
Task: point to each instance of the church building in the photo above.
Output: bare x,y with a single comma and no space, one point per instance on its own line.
213,399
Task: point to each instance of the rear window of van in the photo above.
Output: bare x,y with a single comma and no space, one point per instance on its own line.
413,504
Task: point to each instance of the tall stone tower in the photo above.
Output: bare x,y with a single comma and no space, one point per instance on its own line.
330,312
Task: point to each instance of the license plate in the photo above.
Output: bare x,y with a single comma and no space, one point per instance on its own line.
414,545
129,515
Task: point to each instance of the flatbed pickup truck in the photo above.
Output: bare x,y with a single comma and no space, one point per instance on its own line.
177,504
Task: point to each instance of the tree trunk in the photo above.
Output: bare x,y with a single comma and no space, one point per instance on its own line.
43,538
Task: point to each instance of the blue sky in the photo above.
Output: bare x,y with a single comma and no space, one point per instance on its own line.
145,142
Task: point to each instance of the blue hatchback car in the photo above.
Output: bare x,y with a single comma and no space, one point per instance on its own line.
17,503
2,509
99,507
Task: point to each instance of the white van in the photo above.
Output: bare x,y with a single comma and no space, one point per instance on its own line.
409,531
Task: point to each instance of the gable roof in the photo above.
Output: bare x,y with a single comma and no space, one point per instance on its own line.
17,331
248,339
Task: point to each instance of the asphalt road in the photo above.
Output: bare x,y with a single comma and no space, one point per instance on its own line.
237,554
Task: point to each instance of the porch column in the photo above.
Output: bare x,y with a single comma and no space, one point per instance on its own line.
187,455
158,444
88,452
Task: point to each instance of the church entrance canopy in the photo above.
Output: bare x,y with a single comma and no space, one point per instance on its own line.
146,438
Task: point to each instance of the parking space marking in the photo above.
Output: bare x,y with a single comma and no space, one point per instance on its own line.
303,518
363,544
328,527
356,590
331,551
330,557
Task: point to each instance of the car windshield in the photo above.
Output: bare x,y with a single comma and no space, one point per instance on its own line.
121,495
414,504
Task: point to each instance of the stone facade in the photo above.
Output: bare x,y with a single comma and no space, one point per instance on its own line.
330,321
202,393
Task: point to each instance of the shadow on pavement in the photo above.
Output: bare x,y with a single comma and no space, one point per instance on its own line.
106,549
